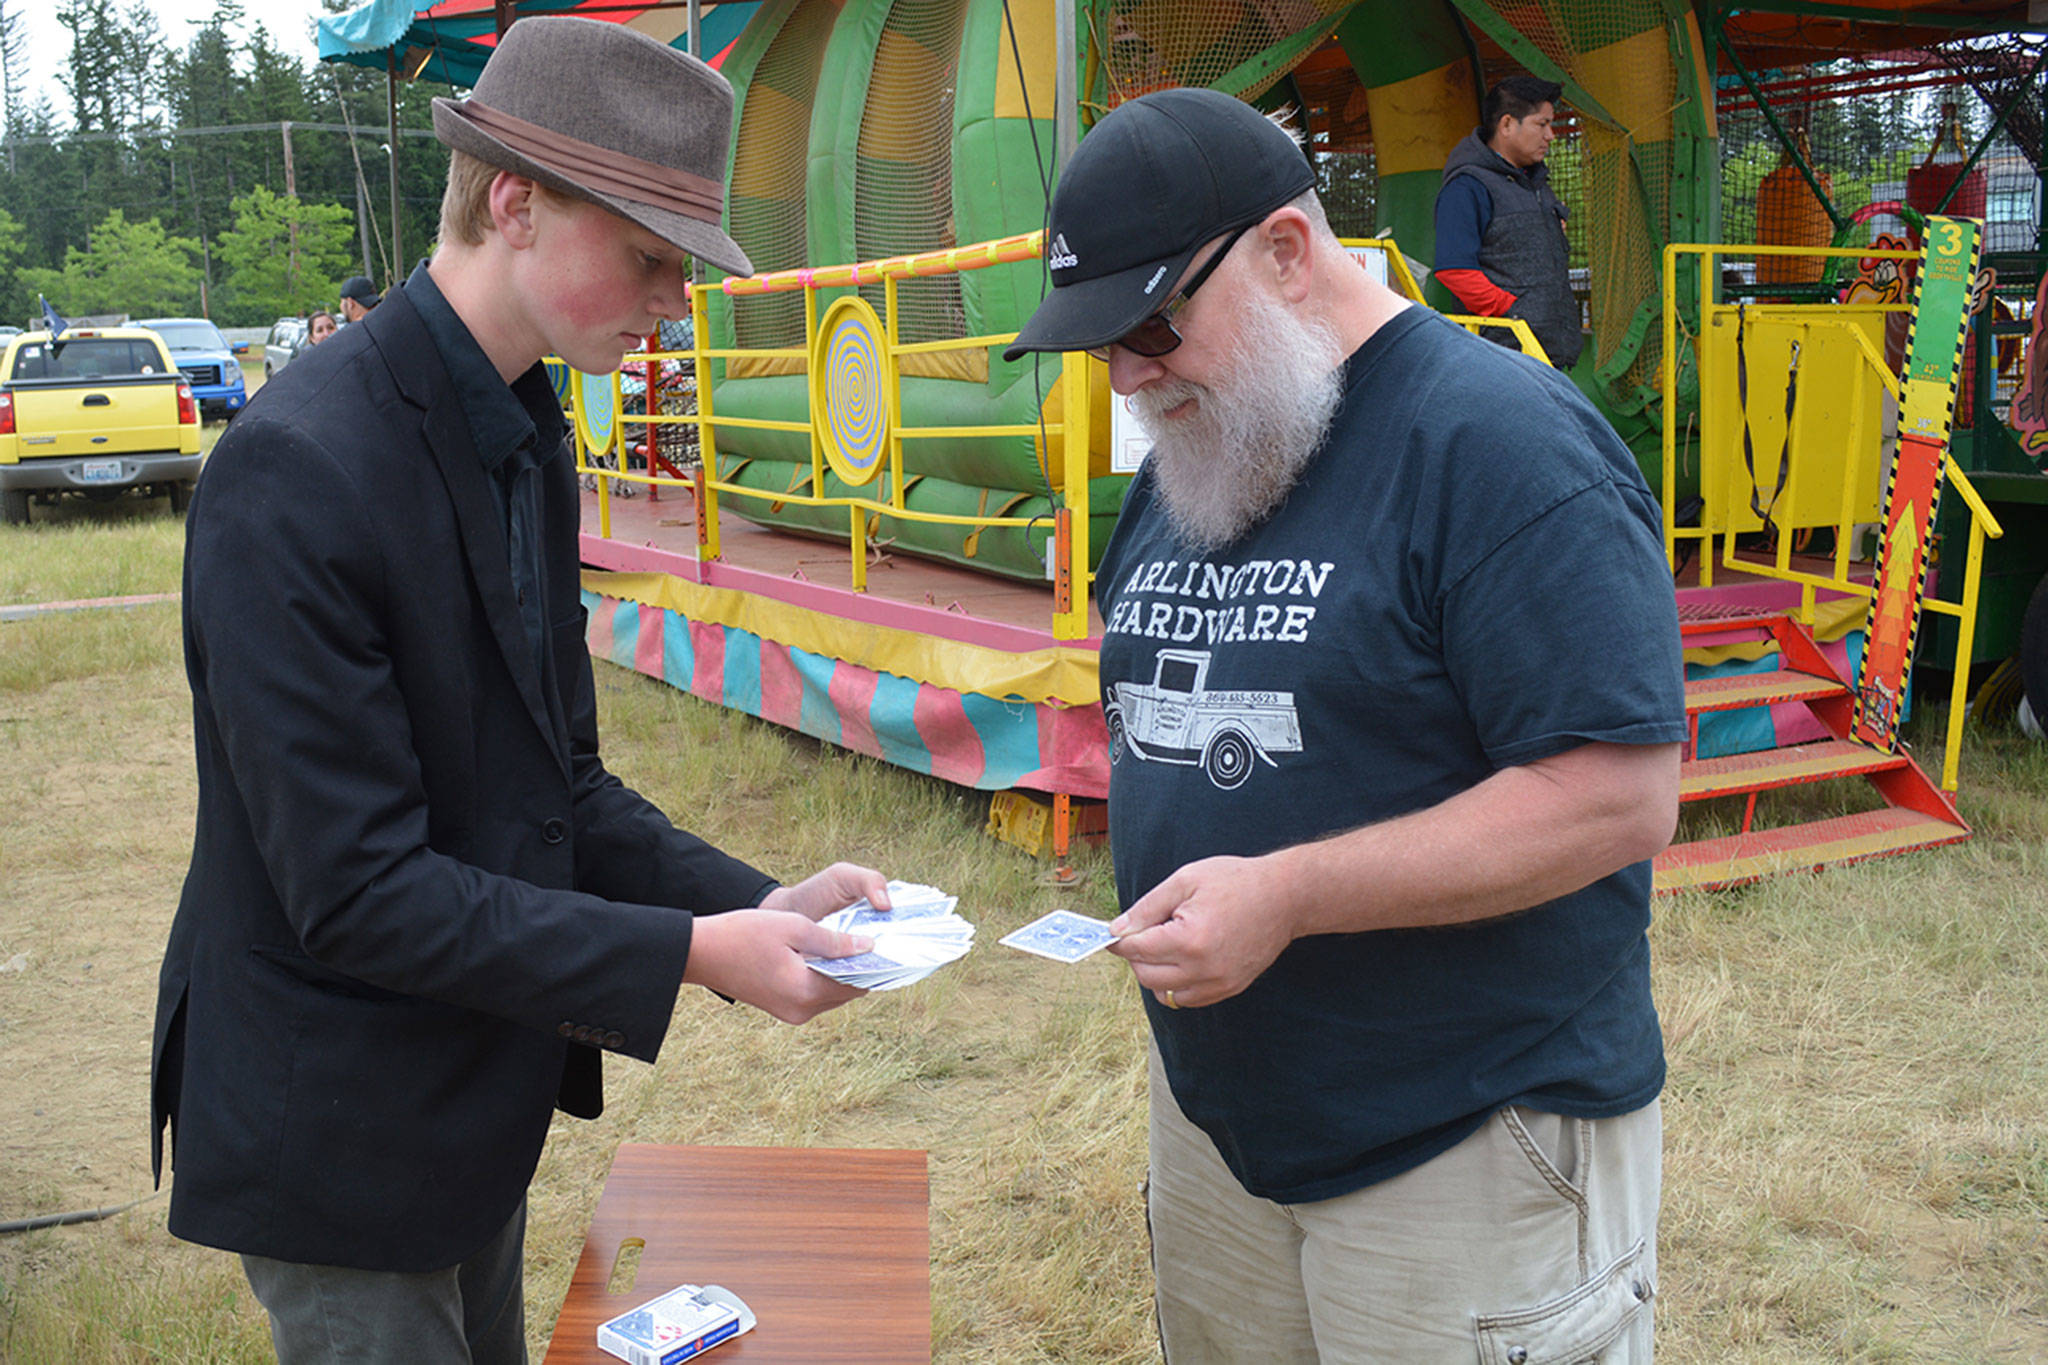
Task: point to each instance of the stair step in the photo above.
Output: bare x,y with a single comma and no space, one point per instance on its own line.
1701,778
1737,858
1735,691
1706,620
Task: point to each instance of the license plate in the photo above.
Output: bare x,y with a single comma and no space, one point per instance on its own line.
100,471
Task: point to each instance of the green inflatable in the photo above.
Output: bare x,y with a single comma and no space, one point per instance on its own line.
881,129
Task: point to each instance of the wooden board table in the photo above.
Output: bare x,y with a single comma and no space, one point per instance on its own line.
830,1248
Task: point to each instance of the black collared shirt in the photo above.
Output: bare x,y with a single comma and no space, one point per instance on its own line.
517,428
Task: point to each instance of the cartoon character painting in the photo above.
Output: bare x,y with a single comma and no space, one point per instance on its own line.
1887,280
2030,404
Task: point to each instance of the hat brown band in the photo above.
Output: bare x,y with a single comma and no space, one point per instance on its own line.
600,169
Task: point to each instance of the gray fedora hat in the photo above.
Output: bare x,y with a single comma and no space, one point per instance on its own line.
600,112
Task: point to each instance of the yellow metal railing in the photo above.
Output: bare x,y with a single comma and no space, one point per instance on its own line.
1811,319
1070,521
1402,281
1399,277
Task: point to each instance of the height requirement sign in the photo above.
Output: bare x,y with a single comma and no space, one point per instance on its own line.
1927,406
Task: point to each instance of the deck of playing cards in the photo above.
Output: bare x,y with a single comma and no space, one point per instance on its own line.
1062,936
915,936
688,1320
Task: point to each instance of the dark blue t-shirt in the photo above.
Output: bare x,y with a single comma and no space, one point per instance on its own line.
1469,576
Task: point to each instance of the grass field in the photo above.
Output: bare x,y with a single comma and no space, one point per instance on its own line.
1857,1115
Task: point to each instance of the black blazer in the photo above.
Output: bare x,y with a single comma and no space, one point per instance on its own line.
418,904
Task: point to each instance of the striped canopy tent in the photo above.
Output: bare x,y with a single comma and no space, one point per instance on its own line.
450,42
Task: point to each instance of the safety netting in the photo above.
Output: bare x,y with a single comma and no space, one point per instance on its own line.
1241,47
903,175
769,154
1877,133
1334,113
1848,151
1614,168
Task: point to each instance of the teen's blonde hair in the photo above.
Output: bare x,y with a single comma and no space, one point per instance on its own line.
466,202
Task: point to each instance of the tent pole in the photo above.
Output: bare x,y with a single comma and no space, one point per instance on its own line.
391,107
1066,100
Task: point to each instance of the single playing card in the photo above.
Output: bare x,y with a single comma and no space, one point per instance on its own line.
861,915
1062,936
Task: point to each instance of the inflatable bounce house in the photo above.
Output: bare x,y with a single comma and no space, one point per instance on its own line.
868,131
831,503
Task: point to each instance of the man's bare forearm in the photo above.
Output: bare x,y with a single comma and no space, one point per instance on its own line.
1526,835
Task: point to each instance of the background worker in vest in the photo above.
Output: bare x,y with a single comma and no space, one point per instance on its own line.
1500,243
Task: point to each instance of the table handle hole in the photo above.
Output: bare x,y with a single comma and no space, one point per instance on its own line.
625,1266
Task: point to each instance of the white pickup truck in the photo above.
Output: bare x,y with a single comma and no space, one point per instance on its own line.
1177,719
93,410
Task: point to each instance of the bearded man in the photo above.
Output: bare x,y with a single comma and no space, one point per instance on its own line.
1391,667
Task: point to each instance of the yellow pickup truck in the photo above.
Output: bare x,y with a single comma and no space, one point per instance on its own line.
93,410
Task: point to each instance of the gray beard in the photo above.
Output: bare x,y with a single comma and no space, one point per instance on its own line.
1227,465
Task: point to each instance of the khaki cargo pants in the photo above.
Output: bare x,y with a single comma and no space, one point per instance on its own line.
1532,1241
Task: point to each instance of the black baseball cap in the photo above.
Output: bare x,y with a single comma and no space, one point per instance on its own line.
359,288
1156,179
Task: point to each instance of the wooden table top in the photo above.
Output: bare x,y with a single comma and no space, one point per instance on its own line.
831,1248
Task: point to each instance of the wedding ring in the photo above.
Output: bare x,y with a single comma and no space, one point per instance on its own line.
1171,1003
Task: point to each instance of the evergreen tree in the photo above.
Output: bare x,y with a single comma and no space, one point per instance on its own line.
130,120
283,256
14,300
93,74
126,267
12,90
137,80
41,191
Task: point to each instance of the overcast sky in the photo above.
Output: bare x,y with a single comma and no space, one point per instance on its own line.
290,23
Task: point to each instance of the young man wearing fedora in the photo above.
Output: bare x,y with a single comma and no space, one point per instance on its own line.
1405,1063
419,907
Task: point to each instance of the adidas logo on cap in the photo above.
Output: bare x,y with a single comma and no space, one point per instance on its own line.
1059,257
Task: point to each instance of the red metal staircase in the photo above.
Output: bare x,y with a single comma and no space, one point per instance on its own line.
1917,813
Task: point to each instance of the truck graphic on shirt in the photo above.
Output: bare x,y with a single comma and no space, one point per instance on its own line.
1176,719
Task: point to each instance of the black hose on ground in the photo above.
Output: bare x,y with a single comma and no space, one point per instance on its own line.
58,1220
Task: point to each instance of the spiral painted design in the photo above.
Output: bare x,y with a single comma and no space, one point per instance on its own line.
596,410
850,394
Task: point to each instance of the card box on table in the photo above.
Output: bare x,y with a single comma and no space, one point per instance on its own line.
687,1321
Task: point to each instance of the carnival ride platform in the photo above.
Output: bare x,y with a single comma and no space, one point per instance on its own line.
939,669
959,675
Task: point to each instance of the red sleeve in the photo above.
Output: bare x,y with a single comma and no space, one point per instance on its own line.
1479,294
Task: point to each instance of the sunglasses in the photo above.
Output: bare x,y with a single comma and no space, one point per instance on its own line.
1155,336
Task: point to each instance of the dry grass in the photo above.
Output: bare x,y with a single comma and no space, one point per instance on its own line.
1857,1119
66,552
1856,1166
